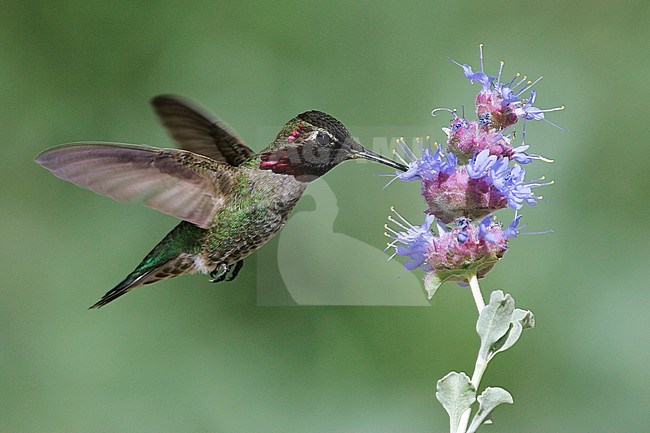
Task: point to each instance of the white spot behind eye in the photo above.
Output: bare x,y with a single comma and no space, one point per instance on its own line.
320,131
314,135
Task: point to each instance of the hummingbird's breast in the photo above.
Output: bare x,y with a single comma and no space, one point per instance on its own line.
257,208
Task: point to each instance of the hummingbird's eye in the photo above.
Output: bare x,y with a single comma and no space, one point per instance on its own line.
323,138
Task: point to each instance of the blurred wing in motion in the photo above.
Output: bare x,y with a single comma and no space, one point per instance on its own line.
176,182
198,131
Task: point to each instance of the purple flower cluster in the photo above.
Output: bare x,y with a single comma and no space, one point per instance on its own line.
486,183
456,253
500,105
465,138
478,172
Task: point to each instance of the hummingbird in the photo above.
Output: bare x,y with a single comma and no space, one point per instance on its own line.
230,199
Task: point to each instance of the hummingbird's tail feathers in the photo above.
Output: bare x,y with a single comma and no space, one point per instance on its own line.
135,279
170,258
147,273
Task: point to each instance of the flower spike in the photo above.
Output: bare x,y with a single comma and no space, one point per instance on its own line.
465,180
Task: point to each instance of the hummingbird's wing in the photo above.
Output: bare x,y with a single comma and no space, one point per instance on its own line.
176,182
198,131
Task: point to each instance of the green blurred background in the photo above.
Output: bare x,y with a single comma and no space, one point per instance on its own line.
185,355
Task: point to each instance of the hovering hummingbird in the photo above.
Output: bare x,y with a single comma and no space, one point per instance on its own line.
231,200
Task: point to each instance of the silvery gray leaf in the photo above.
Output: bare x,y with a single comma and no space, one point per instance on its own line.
431,284
456,394
525,317
488,420
488,400
521,319
494,321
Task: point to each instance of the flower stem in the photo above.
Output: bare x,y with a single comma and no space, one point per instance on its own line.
476,292
481,361
479,369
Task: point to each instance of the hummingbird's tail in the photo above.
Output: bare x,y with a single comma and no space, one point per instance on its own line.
136,278
173,256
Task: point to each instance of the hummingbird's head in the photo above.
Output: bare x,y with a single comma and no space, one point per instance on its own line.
313,143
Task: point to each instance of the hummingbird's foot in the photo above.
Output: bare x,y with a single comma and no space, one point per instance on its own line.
235,270
219,273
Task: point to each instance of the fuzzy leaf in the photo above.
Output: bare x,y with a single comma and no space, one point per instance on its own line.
456,394
521,319
494,321
431,284
488,420
525,317
487,401
433,280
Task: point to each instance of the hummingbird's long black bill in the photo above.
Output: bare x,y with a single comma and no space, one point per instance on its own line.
372,156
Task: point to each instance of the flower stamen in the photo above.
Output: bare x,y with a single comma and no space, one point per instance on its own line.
392,209
387,227
555,125
452,111
531,84
394,221
400,157
406,149
513,80
501,63
519,83
540,158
